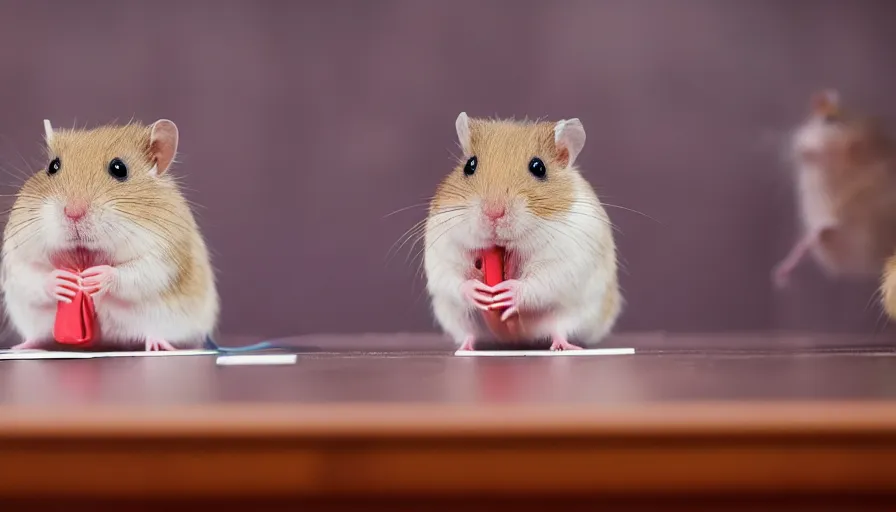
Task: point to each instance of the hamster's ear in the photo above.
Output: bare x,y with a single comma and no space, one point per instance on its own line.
48,131
569,137
825,102
463,132
162,145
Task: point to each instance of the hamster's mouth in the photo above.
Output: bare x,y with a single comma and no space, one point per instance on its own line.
79,235
79,257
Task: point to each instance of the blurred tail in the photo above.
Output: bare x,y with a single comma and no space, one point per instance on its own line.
211,345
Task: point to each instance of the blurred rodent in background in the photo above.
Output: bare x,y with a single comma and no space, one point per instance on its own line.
107,205
517,187
845,169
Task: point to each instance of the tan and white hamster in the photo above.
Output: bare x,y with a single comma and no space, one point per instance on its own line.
106,203
517,187
846,190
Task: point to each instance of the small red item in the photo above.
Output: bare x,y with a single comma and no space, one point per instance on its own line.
493,266
75,321
492,274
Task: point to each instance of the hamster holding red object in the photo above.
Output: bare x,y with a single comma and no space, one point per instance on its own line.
517,188
106,217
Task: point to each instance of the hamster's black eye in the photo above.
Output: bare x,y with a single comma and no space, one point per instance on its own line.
118,170
54,166
470,167
537,168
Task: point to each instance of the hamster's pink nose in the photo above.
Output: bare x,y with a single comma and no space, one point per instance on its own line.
493,211
75,211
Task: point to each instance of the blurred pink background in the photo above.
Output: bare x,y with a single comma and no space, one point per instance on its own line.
303,124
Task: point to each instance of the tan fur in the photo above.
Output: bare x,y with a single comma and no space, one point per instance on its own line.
612,304
154,202
504,149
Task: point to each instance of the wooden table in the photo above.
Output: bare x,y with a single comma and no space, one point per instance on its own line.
398,423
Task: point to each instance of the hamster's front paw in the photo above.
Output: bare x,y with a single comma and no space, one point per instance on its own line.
507,295
158,345
477,293
98,279
559,343
781,276
62,285
469,344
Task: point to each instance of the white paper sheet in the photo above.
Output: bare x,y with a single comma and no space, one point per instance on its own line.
545,352
262,359
8,355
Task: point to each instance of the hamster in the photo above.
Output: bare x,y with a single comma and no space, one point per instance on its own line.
107,203
517,187
846,190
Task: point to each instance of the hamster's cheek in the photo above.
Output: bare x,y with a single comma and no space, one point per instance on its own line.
469,233
519,218
53,223
812,137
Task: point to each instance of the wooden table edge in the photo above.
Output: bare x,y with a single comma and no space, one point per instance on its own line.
311,450
499,421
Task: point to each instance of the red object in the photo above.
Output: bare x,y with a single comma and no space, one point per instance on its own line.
492,274
75,321
493,266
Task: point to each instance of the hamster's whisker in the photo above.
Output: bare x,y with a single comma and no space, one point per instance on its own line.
875,298
575,229
26,196
17,228
561,211
609,205
404,237
152,206
22,242
24,208
20,174
416,230
421,236
161,231
443,233
406,208
457,190
146,212
555,229
155,228
127,237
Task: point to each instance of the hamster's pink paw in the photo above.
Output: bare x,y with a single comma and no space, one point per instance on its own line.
507,296
63,285
561,343
781,276
98,279
477,293
158,345
468,344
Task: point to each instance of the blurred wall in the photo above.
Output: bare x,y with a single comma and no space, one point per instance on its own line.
304,123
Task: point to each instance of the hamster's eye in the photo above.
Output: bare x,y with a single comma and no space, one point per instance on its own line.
470,166
54,166
118,170
537,168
